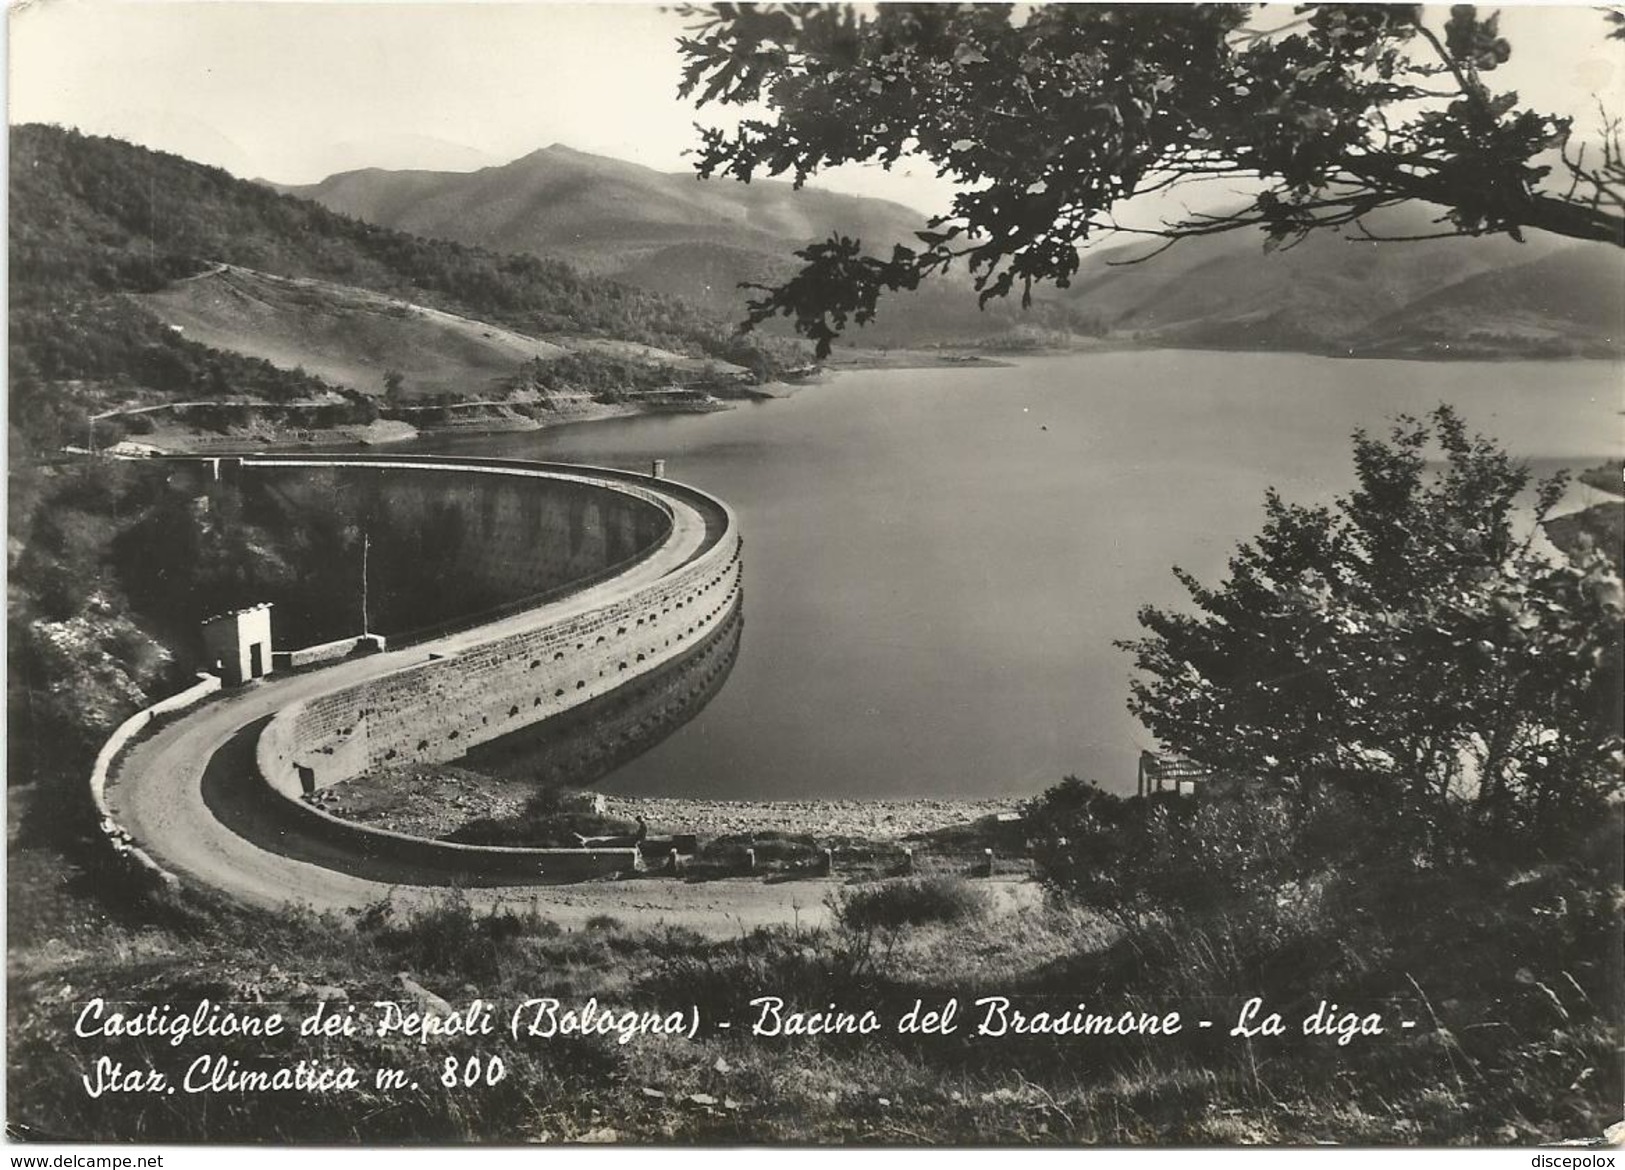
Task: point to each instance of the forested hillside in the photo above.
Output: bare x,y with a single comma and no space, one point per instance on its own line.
93,218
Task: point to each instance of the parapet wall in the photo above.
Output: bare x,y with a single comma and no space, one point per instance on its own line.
118,838
437,709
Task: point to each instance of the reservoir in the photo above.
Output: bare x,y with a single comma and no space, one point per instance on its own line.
938,561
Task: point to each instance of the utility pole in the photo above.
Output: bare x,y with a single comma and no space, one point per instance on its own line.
366,541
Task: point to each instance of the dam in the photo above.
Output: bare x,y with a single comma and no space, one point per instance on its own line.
603,602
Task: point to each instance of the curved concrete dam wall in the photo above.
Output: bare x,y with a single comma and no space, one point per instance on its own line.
573,747
494,680
586,743
442,545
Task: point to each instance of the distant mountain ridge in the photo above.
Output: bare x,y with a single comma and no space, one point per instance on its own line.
139,277
1347,295
600,213
1342,295
669,233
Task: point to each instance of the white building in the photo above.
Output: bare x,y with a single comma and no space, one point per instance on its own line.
237,645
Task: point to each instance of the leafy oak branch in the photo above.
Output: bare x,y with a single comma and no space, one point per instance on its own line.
1049,118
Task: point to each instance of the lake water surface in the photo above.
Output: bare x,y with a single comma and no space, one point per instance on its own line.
937,562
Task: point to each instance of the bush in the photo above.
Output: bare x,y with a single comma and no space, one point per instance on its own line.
891,905
1164,853
450,938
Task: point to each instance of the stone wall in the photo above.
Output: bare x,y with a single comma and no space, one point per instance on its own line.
447,862
586,743
438,709
119,841
329,651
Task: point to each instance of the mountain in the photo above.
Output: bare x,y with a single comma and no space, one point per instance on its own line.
669,233
602,214
137,276
1347,295
1333,294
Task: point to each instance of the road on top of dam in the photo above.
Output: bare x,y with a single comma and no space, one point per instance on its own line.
189,794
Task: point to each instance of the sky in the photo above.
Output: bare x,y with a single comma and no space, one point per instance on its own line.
293,91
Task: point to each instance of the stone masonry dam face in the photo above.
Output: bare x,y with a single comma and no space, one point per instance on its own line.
660,570
588,742
441,546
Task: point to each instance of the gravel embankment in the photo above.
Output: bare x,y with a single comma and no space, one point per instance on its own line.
434,801
878,819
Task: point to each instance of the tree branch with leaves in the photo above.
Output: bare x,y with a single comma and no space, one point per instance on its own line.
1050,118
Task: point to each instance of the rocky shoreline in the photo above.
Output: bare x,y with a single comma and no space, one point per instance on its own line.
435,800
872,819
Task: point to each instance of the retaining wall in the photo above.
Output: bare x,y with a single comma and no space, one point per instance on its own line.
448,862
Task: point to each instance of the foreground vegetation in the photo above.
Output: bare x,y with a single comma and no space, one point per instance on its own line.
1510,974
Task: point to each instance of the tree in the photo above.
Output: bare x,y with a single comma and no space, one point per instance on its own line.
1407,645
394,388
1049,118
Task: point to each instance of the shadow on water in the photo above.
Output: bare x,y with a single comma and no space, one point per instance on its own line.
591,741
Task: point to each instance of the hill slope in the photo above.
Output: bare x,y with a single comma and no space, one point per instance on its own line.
1572,300
1342,295
700,240
343,334
97,225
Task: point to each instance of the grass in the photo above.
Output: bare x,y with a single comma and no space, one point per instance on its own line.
1513,980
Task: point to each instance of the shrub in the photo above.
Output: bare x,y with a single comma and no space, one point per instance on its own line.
552,818
908,902
1137,857
450,938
